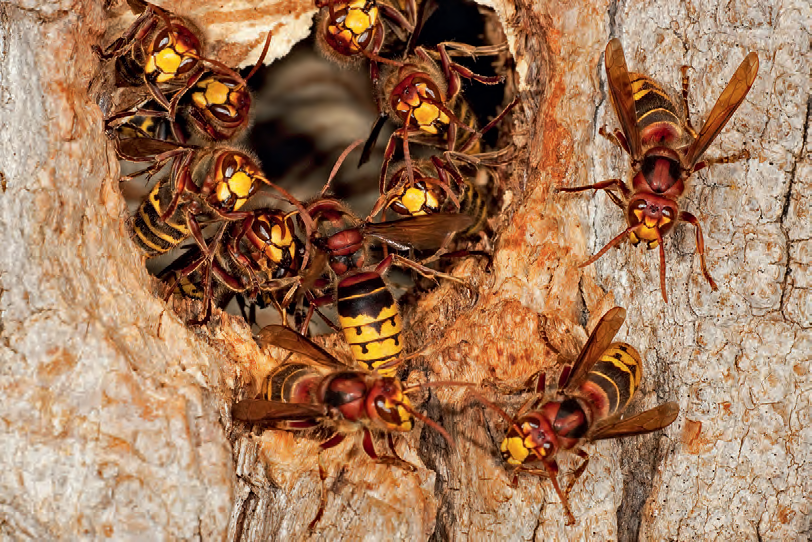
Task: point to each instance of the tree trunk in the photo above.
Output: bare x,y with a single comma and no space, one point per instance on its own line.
115,417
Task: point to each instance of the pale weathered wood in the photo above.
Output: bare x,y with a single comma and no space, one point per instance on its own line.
114,417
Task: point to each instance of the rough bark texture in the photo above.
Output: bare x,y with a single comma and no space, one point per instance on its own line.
114,417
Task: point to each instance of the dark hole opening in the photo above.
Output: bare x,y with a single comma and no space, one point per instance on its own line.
308,109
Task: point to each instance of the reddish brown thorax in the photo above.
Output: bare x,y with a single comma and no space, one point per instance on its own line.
653,210
661,175
345,242
340,237
570,422
346,392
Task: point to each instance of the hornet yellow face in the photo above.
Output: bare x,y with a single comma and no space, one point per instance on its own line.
173,52
276,234
237,178
417,97
534,441
388,404
350,27
221,106
652,217
417,200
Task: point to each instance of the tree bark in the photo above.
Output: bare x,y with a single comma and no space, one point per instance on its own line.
115,417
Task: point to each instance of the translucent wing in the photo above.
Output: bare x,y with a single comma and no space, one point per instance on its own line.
725,106
260,410
144,148
286,338
315,269
645,422
137,6
620,89
419,232
596,344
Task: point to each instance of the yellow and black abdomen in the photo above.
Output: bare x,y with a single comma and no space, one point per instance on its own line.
153,235
476,204
370,317
146,126
658,118
614,378
291,383
189,286
186,275
462,110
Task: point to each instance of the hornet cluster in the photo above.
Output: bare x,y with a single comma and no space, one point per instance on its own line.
181,117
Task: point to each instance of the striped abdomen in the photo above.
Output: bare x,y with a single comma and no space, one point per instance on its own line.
474,203
614,378
153,235
291,383
146,126
659,119
189,286
370,318
188,280
462,109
